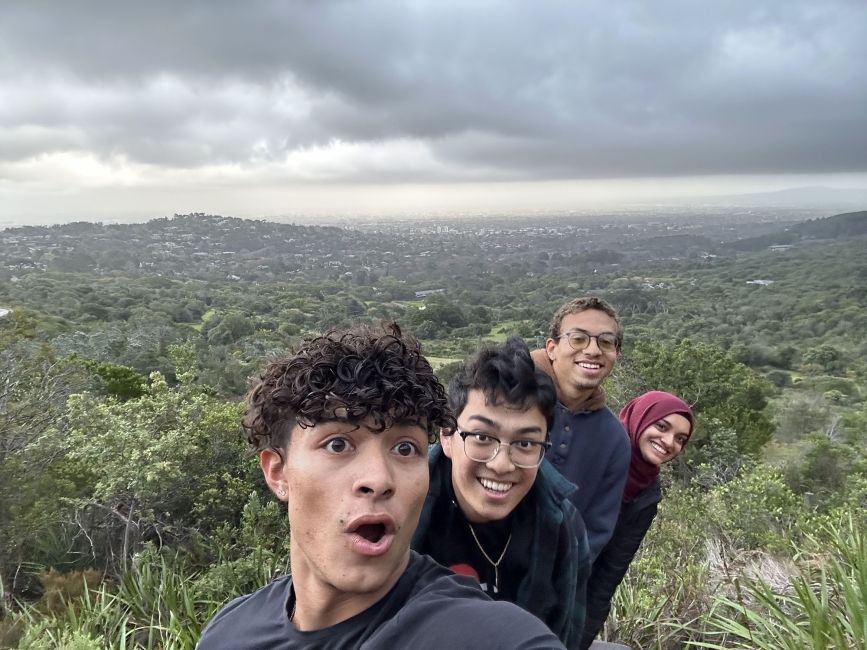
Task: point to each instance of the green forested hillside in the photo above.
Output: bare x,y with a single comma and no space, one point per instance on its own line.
126,510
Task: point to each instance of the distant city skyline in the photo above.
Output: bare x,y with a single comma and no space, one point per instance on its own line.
328,110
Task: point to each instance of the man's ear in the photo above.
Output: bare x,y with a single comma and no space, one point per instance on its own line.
446,442
550,346
271,463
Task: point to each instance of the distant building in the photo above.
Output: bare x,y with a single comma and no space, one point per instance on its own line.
428,292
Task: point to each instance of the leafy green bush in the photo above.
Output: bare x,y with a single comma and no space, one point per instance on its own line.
756,510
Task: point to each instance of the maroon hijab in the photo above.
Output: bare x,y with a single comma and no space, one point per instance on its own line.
636,416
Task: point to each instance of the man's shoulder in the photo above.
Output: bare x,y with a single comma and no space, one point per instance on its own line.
262,608
551,487
450,610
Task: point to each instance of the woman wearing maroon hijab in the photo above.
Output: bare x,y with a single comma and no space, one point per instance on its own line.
659,426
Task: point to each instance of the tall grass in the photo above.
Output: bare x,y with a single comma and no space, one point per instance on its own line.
156,605
671,598
824,608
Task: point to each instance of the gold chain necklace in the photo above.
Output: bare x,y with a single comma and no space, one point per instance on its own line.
496,564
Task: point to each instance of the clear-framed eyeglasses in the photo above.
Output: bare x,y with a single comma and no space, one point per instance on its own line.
482,447
579,340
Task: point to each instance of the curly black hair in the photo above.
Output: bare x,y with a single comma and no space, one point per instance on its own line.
375,375
506,374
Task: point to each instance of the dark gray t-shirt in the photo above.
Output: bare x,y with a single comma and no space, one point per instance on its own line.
429,607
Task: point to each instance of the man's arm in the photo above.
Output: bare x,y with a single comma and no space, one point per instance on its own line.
600,514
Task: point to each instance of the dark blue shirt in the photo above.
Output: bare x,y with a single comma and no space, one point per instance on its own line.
592,450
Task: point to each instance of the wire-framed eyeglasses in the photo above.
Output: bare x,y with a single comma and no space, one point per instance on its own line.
579,340
482,447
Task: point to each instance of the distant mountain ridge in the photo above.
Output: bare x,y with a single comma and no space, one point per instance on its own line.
830,198
839,226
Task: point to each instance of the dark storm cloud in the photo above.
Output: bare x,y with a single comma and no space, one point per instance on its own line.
494,89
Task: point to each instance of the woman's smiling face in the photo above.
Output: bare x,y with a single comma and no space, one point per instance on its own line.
663,440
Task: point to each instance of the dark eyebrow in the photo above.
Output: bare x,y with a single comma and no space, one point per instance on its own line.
484,420
494,425
578,329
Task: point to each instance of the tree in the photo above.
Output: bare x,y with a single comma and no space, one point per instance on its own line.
440,311
825,356
34,388
170,463
115,380
714,384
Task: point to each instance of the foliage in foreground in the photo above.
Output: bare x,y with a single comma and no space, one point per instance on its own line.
823,606
158,602
691,587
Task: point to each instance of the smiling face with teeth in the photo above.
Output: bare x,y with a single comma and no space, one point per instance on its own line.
491,491
663,440
354,497
578,372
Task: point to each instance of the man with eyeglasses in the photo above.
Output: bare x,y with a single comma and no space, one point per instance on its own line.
342,428
495,510
589,446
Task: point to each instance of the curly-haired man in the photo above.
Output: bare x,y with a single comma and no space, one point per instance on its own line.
342,429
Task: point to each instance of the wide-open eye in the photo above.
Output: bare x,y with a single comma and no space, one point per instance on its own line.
338,445
407,449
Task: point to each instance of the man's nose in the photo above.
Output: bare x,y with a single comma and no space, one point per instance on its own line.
376,477
502,462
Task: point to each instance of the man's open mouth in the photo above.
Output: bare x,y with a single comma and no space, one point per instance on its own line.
371,532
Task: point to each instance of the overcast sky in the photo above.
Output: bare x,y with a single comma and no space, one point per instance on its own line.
120,109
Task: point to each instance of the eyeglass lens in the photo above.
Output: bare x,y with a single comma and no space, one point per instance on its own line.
580,340
483,449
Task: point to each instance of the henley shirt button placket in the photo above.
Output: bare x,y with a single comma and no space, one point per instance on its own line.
563,447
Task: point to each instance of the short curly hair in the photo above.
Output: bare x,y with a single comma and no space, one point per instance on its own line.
377,375
506,374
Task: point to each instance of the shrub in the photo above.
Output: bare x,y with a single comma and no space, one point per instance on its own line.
756,509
